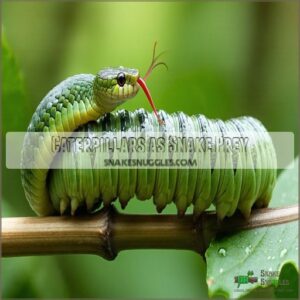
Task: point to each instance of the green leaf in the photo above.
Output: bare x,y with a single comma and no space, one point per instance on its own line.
288,285
241,262
15,117
14,103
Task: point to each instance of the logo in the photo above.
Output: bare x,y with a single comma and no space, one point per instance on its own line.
245,279
267,278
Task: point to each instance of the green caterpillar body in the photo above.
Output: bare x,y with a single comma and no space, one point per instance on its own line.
85,102
229,189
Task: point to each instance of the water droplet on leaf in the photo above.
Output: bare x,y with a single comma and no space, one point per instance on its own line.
248,250
283,252
222,252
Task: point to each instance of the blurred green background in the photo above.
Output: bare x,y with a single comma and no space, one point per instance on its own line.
225,59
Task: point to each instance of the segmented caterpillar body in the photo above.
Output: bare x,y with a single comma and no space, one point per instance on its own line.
241,185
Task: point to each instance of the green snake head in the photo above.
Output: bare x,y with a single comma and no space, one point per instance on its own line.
113,86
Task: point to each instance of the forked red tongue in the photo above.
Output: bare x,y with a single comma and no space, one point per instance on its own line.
143,85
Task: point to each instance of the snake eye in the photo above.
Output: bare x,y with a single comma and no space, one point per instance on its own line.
121,79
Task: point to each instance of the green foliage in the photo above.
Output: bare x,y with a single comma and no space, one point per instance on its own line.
12,91
15,117
288,284
259,252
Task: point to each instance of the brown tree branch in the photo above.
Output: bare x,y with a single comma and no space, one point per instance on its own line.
109,232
